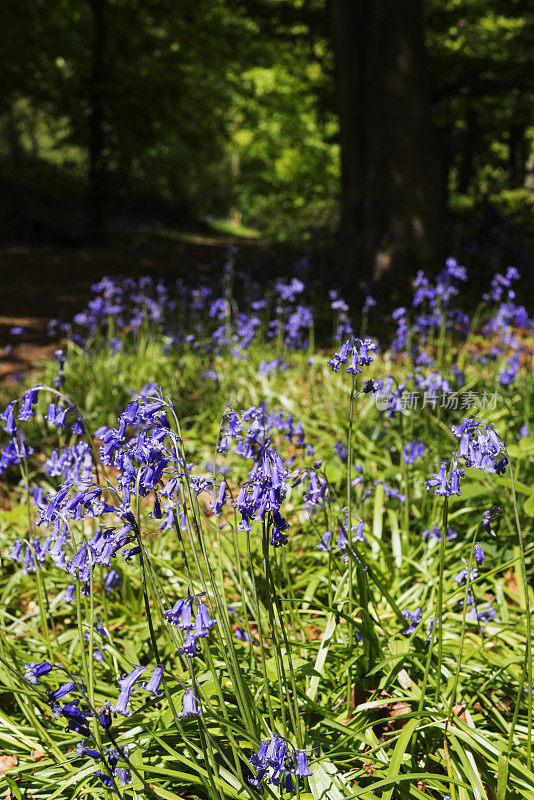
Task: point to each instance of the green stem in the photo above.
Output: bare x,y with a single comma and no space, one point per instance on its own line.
439,610
524,579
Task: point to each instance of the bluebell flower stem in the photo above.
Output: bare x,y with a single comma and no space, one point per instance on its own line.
452,700
441,579
528,622
260,636
272,624
349,537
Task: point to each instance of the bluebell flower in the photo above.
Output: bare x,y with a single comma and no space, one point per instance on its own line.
82,750
462,576
324,544
104,717
190,705
33,671
63,691
153,684
180,614
442,484
479,554
241,634
435,533
203,621
413,617
77,720
111,580
412,451
127,684
218,504
480,446
190,647
356,352
302,770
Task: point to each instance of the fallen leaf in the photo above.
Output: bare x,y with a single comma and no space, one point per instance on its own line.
7,762
404,679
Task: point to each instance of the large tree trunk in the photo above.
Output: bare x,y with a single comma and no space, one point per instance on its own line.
517,156
97,161
391,183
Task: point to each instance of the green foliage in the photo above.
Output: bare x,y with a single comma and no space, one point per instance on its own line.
227,108
328,664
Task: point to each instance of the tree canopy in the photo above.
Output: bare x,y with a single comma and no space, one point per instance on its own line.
227,108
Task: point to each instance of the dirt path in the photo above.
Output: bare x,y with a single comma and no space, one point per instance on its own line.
42,283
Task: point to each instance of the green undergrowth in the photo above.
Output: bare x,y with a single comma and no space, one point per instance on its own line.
382,713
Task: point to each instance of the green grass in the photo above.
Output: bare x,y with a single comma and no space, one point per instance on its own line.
328,666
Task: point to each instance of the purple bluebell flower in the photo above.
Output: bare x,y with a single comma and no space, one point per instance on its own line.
63,691
356,352
413,617
435,533
153,684
218,505
127,684
104,717
241,634
324,544
302,770
191,705
412,451
33,671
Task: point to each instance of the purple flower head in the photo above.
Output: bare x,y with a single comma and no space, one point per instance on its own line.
33,671
413,617
104,717
354,351
153,684
191,705
324,544
480,446
302,770
219,503
442,485
412,451
127,684
479,554
63,691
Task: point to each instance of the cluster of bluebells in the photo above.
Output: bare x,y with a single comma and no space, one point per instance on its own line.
446,481
355,353
78,715
277,763
480,446
342,543
505,321
343,328
261,497
412,451
195,625
433,302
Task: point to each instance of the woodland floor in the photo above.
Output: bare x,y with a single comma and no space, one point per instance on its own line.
42,283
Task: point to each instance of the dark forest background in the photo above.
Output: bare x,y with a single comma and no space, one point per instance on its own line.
392,132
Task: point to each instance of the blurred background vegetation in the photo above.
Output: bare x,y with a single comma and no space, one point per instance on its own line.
129,117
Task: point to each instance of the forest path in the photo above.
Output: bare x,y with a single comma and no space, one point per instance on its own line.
43,283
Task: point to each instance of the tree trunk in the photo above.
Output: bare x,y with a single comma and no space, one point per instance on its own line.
97,161
517,156
391,184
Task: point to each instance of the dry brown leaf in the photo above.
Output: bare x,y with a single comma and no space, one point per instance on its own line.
510,580
404,679
397,709
7,762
